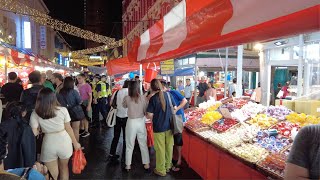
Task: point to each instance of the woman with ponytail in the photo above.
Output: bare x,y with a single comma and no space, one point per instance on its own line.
159,111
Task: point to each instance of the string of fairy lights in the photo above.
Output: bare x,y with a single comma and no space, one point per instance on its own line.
44,19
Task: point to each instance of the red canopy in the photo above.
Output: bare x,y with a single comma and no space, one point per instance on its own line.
122,65
200,25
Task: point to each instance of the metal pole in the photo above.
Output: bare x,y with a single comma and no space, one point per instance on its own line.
140,78
226,74
239,71
195,84
300,66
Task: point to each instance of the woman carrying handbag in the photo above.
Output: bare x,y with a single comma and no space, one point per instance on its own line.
70,98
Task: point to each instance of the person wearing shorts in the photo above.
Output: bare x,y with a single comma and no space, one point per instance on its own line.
54,122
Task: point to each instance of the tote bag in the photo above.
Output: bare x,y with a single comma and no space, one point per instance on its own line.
112,115
176,120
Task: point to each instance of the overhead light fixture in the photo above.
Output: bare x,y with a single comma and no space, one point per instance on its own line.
9,36
258,46
95,57
281,43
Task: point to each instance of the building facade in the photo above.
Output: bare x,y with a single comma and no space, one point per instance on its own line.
22,32
139,15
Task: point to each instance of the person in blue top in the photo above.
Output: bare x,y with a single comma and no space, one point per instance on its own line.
180,100
159,110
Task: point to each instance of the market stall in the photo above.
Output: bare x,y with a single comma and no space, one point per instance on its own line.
253,139
21,61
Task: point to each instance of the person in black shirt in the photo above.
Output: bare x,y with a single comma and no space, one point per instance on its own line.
12,90
203,86
29,96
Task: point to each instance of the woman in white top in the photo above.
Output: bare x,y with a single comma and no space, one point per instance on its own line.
136,127
54,122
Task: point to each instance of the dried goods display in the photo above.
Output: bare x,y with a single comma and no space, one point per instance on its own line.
285,128
234,136
239,103
210,117
274,163
250,152
303,119
269,140
194,114
278,112
224,124
263,121
207,134
196,125
214,107
229,106
248,111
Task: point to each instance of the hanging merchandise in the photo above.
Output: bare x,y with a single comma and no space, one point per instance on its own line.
151,73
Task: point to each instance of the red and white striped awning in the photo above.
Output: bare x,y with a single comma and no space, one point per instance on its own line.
20,58
199,25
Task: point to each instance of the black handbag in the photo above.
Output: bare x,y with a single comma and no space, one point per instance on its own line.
76,112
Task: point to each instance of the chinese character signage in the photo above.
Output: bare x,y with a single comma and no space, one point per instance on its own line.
43,37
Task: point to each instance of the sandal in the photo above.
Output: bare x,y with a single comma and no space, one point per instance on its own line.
176,168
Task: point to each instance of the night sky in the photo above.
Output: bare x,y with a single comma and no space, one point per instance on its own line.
72,12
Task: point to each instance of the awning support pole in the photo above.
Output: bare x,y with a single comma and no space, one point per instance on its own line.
239,71
226,74
140,78
300,66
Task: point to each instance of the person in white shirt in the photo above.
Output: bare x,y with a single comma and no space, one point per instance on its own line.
121,121
233,87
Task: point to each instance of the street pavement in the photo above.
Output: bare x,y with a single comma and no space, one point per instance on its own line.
97,147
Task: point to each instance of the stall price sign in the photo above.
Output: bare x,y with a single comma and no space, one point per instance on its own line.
167,67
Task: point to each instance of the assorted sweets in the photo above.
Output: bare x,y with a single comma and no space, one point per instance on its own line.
257,134
210,117
196,125
285,128
207,134
224,124
250,152
278,112
263,121
194,114
303,119
275,163
270,140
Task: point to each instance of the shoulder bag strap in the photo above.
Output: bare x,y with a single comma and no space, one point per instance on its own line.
169,97
114,102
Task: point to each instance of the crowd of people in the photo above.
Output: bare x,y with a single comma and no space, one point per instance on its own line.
44,122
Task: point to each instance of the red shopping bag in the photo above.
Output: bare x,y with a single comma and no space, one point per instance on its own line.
79,162
150,140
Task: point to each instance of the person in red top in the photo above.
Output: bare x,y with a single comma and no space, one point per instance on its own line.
285,90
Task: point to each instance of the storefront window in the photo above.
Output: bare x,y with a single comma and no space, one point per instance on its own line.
192,60
280,54
185,62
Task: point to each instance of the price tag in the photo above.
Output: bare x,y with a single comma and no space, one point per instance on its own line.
318,109
225,113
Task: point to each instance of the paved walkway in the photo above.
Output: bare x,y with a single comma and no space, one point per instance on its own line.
97,147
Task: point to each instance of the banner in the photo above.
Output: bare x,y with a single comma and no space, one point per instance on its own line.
43,37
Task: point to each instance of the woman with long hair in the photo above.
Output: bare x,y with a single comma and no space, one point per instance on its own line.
54,122
136,127
68,97
159,111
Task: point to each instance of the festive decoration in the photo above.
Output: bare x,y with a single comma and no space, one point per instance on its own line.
44,19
